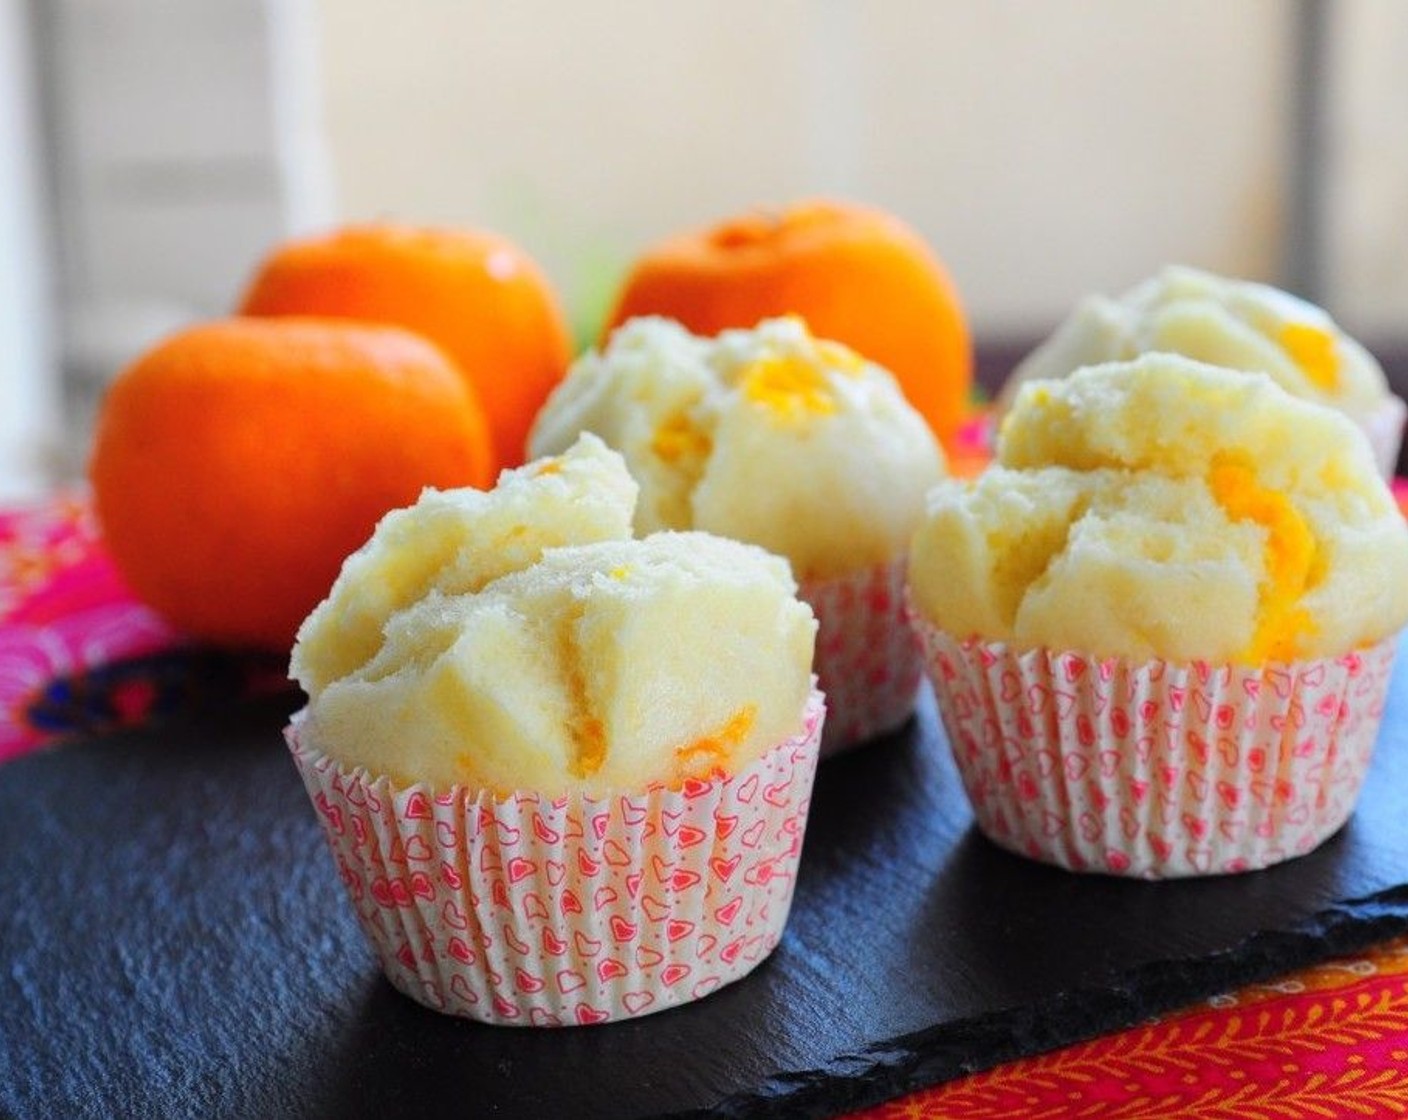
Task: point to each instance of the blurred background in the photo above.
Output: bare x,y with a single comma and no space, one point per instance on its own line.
154,149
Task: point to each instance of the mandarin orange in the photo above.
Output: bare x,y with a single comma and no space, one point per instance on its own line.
856,274
238,462
474,294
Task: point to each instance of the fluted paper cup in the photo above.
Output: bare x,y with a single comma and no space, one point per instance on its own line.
868,661
529,910
1157,769
1384,427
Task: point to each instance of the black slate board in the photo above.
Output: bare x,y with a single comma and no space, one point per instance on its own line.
174,943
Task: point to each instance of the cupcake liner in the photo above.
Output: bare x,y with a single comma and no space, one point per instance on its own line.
1157,769
1384,427
868,660
529,910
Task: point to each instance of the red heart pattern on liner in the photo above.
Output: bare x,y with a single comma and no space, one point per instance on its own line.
868,661
529,911
1157,769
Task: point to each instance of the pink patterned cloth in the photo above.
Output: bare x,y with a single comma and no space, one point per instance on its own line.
1329,1041
78,653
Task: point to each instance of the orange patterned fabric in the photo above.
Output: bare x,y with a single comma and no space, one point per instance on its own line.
1328,1042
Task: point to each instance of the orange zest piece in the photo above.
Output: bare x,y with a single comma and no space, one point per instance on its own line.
712,751
584,726
1314,350
677,439
590,738
1289,557
791,388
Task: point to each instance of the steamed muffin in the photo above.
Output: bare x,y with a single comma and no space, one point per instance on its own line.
542,750
1164,508
789,442
460,647
768,436
1235,324
581,672
1169,565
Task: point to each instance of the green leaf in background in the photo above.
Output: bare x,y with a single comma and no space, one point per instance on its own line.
585,260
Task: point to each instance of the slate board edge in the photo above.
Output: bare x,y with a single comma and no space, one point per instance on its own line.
942,1053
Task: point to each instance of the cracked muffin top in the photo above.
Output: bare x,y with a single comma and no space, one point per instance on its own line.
1238,324
519,639
769,436
1164,508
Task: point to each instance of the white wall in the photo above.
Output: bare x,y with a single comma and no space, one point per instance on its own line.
1368,158
1045,148
185,142
28,387
171,144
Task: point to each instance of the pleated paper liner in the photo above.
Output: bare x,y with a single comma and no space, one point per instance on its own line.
1384,427
527,910
868,660
1157,769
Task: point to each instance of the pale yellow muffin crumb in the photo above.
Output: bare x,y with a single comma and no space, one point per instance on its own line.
769,436
1166,508
456,541
474,642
